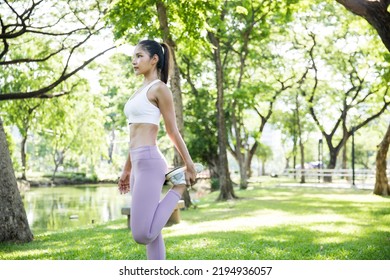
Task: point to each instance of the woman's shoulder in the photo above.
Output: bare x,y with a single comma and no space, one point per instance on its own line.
160,89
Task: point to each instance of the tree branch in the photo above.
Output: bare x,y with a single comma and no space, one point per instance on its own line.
385,105
375,12
30,60
23,18
41,92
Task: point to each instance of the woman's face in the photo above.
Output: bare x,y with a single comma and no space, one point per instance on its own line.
142,62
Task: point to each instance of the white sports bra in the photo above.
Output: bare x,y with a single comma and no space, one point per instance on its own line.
139,109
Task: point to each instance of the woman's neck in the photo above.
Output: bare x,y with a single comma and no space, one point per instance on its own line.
150,78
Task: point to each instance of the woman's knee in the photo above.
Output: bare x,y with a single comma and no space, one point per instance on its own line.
141,237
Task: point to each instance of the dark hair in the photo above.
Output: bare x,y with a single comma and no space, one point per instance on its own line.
163,52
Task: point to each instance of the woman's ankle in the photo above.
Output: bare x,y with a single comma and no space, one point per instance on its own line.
180,189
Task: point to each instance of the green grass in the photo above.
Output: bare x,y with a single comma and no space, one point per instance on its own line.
273,223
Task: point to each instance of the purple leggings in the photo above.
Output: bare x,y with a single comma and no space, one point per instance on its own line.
149,214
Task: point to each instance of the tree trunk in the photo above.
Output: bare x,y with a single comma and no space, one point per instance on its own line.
175,86
295,153
248,165
335,151
381,182
240,157
375,12
226,187
178,102
58,159
263,167
111,145
302,150
345,159
24,156
174,77
332,163
13,220
301,146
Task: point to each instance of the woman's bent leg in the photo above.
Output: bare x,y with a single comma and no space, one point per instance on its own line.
148,217
148,214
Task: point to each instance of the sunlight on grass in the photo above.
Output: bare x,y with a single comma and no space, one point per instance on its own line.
115,226
333,228
333,239
262,218
257,219
342,197
274,252
196,243
336,227
324,218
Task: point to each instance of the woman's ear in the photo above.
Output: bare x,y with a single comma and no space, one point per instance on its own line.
155,59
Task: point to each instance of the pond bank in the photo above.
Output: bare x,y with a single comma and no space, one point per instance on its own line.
25,185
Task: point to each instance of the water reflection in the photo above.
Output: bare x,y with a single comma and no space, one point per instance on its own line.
58,208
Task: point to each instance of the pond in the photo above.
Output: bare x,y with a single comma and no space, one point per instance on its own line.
58,208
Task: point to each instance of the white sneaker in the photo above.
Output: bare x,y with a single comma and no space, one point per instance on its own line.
177,176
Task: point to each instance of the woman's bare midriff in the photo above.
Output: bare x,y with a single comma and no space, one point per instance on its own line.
143,134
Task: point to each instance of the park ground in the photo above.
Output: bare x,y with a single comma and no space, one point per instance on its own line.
269,221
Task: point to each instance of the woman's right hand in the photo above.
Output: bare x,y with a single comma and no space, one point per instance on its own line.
124,183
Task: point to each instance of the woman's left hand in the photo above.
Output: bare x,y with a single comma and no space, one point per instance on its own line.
190,174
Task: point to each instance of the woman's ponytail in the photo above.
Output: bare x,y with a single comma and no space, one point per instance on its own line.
166,63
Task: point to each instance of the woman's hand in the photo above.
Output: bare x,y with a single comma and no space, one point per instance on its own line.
124,183
190,174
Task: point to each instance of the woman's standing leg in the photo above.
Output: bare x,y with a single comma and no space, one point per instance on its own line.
155,250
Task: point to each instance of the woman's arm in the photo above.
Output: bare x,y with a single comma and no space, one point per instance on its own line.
124,180
164,100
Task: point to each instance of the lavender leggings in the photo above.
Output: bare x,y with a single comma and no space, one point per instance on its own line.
149,214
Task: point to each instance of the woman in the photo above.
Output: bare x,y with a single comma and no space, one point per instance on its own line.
145,168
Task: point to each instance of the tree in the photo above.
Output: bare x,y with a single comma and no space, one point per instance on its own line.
357,89
245,20
368,98
263,153
22,114
377,14
249,32
232,27
200,120
80,130
225,182
66,32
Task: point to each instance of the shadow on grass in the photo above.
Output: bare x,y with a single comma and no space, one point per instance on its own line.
96,243
267,223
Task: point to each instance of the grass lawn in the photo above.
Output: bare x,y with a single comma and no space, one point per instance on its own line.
273,223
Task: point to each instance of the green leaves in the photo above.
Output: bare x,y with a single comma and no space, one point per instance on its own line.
241,10
133,20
